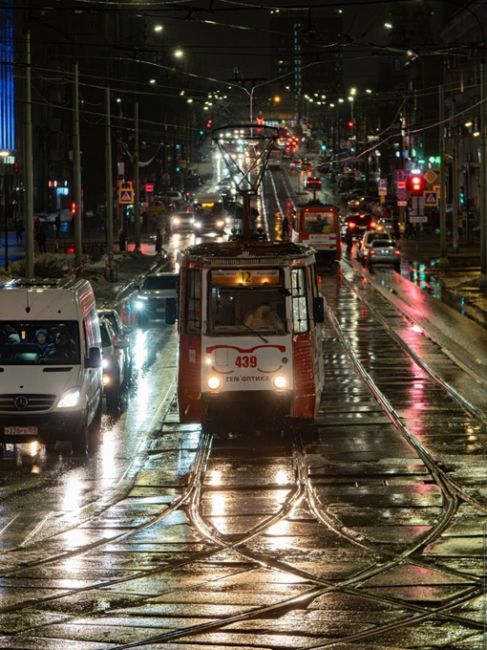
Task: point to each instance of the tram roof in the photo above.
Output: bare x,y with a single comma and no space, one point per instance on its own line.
245,251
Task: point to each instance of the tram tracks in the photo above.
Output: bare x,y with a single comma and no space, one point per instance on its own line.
301,489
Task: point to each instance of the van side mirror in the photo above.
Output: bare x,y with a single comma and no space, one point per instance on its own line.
319,309
93,360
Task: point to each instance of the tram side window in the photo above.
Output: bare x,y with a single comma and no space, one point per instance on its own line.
193,301
300,305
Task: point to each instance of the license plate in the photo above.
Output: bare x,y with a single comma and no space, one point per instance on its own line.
20,431
386,252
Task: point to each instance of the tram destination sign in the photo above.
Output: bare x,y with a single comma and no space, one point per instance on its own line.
245,277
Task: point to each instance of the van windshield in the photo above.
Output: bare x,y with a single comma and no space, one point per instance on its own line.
39,343
159,282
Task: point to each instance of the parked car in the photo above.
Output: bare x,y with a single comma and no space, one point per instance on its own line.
365,245
115,370
122,332
383,251
157,298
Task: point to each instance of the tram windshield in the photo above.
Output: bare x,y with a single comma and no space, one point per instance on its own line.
247,300
318,222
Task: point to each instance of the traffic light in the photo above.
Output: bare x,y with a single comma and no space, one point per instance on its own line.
209,124
73,208
416,185
350,124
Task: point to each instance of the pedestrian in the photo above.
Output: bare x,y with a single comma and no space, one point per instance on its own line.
122,240
19,229
58,225
158,242
41,239
349,240
286,228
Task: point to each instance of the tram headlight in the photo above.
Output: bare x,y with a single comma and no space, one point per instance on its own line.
214,382
279,382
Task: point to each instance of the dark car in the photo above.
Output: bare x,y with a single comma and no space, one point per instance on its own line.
358,224
157,298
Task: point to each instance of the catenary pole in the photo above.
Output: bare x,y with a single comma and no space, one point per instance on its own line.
483,176
136,180
441,118
28,170
109,187
77,172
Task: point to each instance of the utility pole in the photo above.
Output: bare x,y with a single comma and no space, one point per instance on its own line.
136,180
441,118
109,187
28,170
77,172
483,173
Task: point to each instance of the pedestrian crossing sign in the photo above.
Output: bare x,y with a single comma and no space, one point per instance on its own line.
430,198
125,196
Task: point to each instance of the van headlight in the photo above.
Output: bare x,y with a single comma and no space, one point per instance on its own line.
69,399
279,382
214,382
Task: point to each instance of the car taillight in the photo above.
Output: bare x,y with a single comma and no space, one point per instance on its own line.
397,251
351,224
372,252
373,224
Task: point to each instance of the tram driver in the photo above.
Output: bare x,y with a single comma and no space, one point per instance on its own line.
264,317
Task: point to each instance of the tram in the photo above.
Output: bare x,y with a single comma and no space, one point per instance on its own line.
318,225
250,333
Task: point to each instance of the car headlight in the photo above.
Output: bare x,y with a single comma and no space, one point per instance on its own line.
220,223
214,382
105,364
106,380
139,305
69,399
191,222
176,221
197,224
279,382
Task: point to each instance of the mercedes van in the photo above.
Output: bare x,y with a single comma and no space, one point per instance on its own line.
50,362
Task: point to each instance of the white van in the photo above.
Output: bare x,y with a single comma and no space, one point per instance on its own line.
50,362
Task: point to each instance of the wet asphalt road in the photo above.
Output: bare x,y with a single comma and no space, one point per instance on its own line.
365,531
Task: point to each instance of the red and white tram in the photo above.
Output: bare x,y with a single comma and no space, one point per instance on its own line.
250,333
318,225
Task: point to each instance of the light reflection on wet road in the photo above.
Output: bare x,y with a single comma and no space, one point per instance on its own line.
336,536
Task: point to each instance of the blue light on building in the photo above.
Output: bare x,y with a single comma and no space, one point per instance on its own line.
7,89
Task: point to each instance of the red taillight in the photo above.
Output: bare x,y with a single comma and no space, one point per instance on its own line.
373,224
372,252
351,224
397,251
70,250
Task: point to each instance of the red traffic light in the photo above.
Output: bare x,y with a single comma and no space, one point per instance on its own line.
73,208
416,184
350,124
209,124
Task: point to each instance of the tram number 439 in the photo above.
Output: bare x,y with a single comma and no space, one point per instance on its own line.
246,361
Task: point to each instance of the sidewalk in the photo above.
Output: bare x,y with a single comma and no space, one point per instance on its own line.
456,282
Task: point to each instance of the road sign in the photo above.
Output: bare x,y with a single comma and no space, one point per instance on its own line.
430,199
382,191
418,219
401,195
401,185
149,188
125,197
430,176
383,182
402,204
